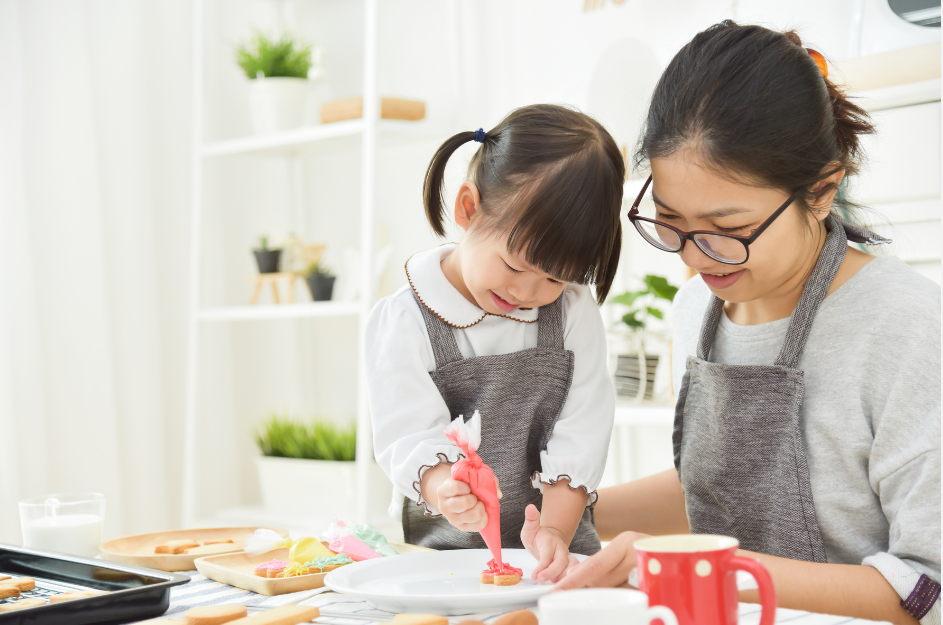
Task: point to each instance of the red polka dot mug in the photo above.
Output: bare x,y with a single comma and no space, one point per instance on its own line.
696,576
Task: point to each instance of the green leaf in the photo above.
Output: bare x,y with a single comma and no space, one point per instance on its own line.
627,298
318,440
654,312
286,57
632,321
660,287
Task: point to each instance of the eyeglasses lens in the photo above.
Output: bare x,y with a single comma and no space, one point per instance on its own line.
659,236
724,249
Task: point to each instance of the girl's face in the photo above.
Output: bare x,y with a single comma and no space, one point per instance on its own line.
690,196
499,281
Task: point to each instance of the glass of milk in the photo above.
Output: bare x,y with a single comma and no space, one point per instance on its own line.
66,523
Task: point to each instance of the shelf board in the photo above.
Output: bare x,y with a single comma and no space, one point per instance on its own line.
291,142
280,311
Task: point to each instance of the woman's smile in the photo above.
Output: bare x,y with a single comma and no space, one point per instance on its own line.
721,281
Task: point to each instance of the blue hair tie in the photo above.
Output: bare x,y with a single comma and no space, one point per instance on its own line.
480,135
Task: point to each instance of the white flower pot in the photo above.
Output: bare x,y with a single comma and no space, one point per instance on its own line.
277,103
316,488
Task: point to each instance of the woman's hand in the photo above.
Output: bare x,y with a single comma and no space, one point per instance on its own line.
548,547
608,568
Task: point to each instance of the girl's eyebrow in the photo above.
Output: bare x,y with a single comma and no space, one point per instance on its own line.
714,214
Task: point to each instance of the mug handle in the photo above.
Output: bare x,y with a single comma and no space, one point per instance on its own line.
764,581
664,613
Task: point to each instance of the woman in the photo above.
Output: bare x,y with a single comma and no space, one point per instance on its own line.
808,418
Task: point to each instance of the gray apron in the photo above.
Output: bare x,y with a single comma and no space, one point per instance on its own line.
520,396
737,439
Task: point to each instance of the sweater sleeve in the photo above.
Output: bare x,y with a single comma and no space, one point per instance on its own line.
904,463
409,415
579,444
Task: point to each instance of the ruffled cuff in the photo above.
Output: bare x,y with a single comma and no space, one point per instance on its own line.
907,581
538,480
441,458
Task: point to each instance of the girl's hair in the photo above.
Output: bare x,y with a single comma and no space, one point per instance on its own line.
753,104
550,178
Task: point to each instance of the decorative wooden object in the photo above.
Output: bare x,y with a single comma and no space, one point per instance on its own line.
390,108
273,279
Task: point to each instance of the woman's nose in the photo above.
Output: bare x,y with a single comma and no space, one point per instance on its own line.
692,256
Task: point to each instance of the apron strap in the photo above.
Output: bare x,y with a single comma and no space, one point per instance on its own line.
830,259
444,346
550,325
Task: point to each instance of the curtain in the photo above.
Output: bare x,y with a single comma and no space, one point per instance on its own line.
95,128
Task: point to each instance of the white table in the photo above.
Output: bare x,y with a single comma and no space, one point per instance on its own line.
340,610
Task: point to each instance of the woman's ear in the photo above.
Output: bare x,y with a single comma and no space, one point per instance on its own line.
823,191
467,204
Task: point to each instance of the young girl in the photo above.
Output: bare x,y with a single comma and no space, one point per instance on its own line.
505,323
808,417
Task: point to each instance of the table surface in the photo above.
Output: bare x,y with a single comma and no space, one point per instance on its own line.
340,610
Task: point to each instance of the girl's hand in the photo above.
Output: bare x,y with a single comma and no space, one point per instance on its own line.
460,507
608,568
547,545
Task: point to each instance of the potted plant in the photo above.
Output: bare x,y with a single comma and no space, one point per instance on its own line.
635,373
265,257
278,74
321,282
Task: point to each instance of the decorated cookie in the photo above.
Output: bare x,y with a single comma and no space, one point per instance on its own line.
500,574
329,563
294,569
271,568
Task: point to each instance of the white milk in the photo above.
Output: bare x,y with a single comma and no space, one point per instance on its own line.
77,534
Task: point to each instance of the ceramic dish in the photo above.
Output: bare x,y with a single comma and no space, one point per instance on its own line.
439,582
238,569
139,550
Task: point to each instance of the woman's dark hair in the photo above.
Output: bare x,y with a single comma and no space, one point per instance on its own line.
754,105
551,178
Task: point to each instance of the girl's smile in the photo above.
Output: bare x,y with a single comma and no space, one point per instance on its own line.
502,303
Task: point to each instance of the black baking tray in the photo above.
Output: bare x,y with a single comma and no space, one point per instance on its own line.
134,593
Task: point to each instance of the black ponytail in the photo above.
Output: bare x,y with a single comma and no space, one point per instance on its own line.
433,188
550,180
754,104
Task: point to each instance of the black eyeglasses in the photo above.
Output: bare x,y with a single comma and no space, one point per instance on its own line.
730,249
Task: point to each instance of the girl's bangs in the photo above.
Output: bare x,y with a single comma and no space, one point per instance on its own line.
567,225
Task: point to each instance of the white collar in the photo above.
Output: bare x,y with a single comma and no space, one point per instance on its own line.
435,292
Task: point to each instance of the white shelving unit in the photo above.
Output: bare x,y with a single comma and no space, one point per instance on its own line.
290,146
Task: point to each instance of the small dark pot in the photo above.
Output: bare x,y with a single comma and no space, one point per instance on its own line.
267,260
321,287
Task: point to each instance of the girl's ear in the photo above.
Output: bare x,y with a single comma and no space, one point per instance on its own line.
824,190
467,204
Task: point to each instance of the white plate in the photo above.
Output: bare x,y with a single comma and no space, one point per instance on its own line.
438,582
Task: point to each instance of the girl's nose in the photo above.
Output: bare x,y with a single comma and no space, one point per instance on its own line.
523,290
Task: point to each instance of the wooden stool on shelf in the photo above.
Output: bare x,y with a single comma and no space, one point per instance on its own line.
262,279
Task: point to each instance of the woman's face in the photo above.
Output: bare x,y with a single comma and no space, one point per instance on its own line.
690,196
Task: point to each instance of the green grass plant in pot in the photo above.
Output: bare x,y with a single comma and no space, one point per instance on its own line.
635,373
321,282
265,257
306,469
277,70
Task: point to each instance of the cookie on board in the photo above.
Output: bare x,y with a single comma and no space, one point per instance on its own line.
176,546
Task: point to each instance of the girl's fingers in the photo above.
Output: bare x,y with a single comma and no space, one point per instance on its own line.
557,565
453,488
547,552
529,531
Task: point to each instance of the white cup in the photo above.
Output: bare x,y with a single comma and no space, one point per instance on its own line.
66,523
618,606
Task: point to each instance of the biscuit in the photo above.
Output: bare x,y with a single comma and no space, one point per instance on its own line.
285,615
8,590
23,583
22,603
208,549
176,546
76,594
507,580
218,541
486,578
518,617
214,614
3,577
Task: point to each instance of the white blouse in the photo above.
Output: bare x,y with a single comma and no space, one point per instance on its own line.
409,415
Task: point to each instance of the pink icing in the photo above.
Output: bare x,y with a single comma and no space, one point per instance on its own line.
496,567
272,565
355,548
